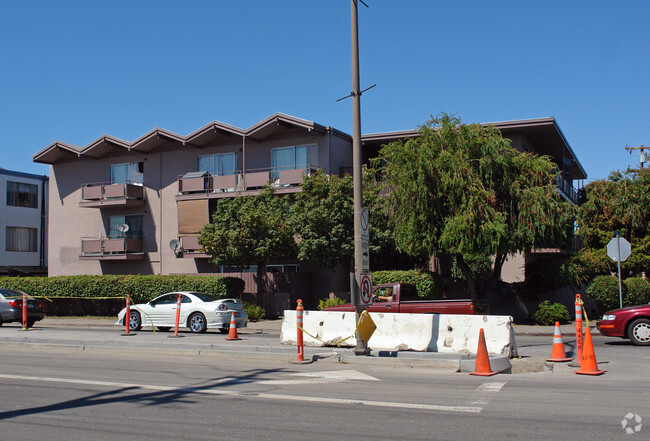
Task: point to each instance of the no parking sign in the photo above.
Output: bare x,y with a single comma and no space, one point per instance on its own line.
366,288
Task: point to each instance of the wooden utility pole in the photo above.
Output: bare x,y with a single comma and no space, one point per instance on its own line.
643,158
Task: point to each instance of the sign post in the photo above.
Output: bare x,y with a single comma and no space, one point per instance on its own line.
619,249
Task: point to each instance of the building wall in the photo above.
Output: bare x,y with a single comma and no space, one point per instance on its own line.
161,168
27,217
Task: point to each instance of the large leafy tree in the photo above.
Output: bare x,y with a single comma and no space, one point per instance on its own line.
463,190
249,230
621,202
322,216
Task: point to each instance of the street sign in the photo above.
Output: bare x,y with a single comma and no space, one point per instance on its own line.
619,249
366,288
613,249
365,224
365,255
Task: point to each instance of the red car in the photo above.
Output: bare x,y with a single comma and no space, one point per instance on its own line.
632,322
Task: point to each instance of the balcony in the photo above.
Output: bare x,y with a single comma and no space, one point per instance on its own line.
190,247
566,189
112,195
195,185
107,248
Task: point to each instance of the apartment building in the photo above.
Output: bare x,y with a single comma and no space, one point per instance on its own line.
119,207
23,222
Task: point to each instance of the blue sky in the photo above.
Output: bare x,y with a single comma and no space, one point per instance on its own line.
75,70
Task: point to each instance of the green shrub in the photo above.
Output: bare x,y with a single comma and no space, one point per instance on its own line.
325,303
638,291
140,288
548,313
428,284
255,312
604,291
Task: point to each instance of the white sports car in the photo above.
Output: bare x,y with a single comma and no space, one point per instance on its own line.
199,311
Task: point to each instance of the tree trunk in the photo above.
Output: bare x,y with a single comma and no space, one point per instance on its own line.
261,283
469,277
499,260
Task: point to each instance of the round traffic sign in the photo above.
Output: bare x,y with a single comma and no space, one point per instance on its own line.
366,289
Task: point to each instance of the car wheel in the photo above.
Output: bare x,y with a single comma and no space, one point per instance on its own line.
197,323
639,332
30,323
1,322
163,328
135,322
224,330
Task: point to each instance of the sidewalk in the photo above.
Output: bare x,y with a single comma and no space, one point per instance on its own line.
258,340
275,326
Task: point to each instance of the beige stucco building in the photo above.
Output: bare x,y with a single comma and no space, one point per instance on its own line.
136,207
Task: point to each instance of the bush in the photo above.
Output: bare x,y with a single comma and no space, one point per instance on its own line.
548,314
428,284
325,303
141,288
255,312
638,291
604,291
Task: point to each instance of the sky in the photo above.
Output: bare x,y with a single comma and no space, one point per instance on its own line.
73,70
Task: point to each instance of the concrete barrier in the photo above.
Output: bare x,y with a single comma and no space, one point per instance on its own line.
406,332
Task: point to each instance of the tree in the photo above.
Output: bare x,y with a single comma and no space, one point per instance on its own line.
249,230
620,202
322,216
463,190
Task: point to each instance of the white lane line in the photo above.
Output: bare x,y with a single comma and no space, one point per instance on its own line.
483,392
346,374
463,409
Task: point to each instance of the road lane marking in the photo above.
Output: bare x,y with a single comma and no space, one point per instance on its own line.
318,400
348,374
482,394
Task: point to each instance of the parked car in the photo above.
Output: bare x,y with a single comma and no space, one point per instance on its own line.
403,297
199,311
11,307
632,322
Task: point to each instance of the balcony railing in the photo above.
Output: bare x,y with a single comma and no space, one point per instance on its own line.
107,248
111,194
204,182
566,188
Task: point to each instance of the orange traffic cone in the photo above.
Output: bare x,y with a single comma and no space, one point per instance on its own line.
232,333
482,365
558,353
588,365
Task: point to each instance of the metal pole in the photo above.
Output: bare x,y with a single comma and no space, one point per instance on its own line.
361,348
618,260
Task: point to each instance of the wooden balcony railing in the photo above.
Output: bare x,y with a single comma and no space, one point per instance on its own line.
111,194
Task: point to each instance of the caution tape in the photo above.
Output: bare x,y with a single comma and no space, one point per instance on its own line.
338,343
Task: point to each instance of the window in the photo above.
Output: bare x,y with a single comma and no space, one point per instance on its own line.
20,194
21,239
219,164
130,173
133,221
292,158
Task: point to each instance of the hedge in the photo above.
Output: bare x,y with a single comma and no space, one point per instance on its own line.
140,288
429,285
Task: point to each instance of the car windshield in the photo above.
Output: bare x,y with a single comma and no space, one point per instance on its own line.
206,297
11,294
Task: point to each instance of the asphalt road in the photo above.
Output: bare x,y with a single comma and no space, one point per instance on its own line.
56,393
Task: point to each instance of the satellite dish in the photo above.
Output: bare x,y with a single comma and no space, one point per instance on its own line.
122,228
174,244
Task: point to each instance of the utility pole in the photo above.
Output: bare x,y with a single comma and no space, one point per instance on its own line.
643,158
362,347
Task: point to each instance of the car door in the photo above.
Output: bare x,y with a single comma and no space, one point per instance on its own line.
380,305
162,310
